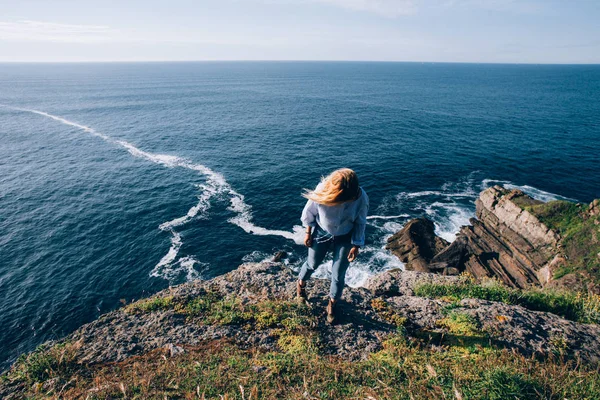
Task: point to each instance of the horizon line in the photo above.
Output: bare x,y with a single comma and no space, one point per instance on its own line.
298,61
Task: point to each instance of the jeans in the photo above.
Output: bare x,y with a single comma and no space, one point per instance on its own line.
340,246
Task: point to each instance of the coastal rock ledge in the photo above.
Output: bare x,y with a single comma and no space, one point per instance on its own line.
369,315
509,242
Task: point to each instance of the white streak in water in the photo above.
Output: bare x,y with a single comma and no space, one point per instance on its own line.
536,193
215,185
388,216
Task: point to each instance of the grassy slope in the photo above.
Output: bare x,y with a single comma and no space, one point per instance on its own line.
580,235
465,367
574,306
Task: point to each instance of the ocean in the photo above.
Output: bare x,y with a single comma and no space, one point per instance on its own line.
120,179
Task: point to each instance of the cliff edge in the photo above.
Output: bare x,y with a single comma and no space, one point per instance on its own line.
241,335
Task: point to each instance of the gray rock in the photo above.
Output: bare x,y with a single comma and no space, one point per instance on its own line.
416,244
397,282
504,241
360,331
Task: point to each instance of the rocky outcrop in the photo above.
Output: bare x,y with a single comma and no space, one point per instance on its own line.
594,208
505,241
369,316
416,244
119,335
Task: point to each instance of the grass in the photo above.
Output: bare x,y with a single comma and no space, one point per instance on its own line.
401,370
461,324
558,215
149,305
298,369
43,364
574,306
387,313
216,310
580,235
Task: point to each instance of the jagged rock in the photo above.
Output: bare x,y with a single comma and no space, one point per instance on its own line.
279,256
508,242
416,244
509,326
504,241
452,257
594,208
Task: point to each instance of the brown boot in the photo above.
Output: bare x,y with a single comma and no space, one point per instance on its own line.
331,317
301,296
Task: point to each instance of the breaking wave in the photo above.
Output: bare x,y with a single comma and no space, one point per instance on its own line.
170,265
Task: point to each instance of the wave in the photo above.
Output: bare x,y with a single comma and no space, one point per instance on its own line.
536,193
452,206
215,186
187,266
370,217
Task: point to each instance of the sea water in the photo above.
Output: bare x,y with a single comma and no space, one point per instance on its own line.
118,180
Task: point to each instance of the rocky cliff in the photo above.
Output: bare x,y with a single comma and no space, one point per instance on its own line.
507,240
248,312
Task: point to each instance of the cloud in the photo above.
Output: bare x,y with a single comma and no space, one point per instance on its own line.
51,32
518,6
386,8
399,8
39,31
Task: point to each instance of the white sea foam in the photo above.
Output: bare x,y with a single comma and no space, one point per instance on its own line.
452,206
215,185
185,266
387,216
371,260
448,218
243,219
536,193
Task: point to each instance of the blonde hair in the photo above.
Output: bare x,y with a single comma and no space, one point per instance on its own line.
338,187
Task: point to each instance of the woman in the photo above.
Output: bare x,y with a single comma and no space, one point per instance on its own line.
335,217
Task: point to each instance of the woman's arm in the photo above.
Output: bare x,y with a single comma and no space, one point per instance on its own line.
309,220
360,224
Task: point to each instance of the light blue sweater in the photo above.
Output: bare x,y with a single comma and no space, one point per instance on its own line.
340,219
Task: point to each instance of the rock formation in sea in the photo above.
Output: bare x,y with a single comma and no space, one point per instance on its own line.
506,241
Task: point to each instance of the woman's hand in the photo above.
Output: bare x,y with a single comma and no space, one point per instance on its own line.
308,239
353,253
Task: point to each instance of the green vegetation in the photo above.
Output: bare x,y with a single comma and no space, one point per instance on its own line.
388,313
213,309
216,310
559,215
502,383
461,324
462,365
149,305
574,306
580,235
46,362
401,370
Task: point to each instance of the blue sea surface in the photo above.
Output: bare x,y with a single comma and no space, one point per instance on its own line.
118,180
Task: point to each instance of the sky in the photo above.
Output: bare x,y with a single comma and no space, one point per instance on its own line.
489,31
